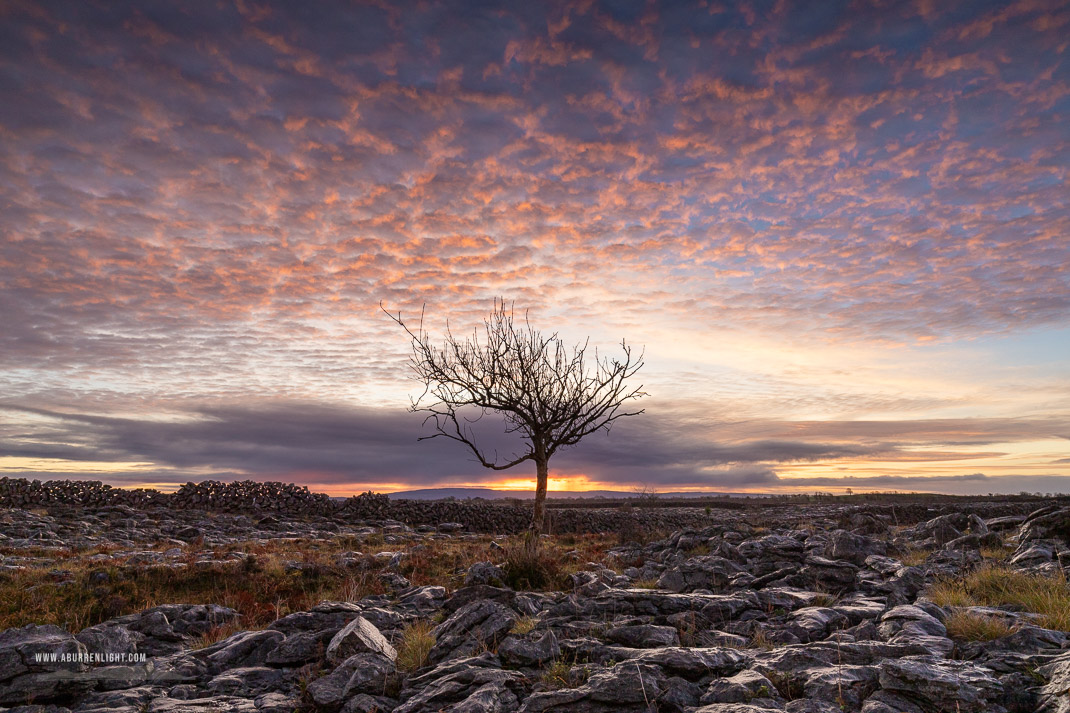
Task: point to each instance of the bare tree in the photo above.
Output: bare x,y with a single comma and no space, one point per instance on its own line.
548,394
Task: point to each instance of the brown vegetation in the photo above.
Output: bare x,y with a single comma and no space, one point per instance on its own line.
269,580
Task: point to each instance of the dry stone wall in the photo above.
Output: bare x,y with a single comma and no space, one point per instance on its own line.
286,498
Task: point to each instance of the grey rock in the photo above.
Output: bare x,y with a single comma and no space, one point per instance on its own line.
1046,524
251,681
810,705
707,572
832,653
1033,552
628,686
325,616
212,704
246,648
484,573
890,702
942,685
183,667
523,651
853,548
362,673
357,637
482,623
24,679
644,636
833,575
966,542
818,622
1054,696
743,687
472,689
277,703
846,685
109,638
1005,522
693,663
912,619
300,648
365,703
765,707
132,700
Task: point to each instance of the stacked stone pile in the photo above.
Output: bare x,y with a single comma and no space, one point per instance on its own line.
367,506
22,493
251,496
254,498
286,498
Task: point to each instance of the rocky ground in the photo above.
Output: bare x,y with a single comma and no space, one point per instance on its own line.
811,610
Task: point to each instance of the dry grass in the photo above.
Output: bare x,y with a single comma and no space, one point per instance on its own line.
218,633
964,625
825,599
563,674
523,625
261,588
995,554
533,568
914,557
645,584
997,586
416,643
759,640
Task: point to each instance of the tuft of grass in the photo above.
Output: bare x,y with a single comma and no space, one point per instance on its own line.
996,586
996,554
416,643
759,640
523,625
645,584
788,686
914,557
964,625
563,674
531,568
824,599
217,634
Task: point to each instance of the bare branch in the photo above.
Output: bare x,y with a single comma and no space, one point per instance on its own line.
550,395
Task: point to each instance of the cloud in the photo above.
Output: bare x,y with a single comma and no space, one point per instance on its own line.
206,204
333,444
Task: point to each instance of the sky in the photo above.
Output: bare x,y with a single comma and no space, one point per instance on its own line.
840,231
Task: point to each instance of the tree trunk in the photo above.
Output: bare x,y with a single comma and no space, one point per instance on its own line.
538,518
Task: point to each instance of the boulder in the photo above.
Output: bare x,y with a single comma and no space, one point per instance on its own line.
482,624
41,663
628,686
708,572
523,651
644,636
357,637
937,685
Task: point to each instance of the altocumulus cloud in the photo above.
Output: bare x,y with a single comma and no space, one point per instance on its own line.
203,203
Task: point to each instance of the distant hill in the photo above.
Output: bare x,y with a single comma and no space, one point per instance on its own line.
492,494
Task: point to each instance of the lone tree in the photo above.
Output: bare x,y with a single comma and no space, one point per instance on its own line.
549,395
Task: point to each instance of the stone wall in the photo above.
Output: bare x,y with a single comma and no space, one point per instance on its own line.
29,494
286,498
254,498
